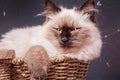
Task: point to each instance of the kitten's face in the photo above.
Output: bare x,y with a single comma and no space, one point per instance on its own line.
69,30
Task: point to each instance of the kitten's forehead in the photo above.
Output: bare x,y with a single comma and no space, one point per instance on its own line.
69,17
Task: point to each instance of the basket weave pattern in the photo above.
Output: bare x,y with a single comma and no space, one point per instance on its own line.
5,73
66,69
20,71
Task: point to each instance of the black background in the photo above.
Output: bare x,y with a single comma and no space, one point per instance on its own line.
22,13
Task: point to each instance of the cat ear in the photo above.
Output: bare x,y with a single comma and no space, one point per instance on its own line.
51,8
89,8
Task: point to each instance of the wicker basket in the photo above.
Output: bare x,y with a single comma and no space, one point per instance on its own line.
6,57
66,69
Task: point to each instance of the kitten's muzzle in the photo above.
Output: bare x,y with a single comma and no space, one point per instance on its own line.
64,39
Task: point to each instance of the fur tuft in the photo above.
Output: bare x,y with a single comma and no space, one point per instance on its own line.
85,40
66,32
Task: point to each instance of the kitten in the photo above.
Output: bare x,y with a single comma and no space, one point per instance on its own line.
66,32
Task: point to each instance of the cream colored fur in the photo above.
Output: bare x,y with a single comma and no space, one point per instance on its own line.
22,39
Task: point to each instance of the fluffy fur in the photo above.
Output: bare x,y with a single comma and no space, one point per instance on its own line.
86,41
84,37
86,48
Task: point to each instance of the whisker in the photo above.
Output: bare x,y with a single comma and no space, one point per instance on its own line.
107,43
114,32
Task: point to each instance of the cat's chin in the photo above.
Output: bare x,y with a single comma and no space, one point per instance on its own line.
68,49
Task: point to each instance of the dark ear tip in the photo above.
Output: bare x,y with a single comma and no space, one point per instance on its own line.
47,1
50,7
90,2
93,2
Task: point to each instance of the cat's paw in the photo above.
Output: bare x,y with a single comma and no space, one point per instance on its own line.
38,73
37,61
